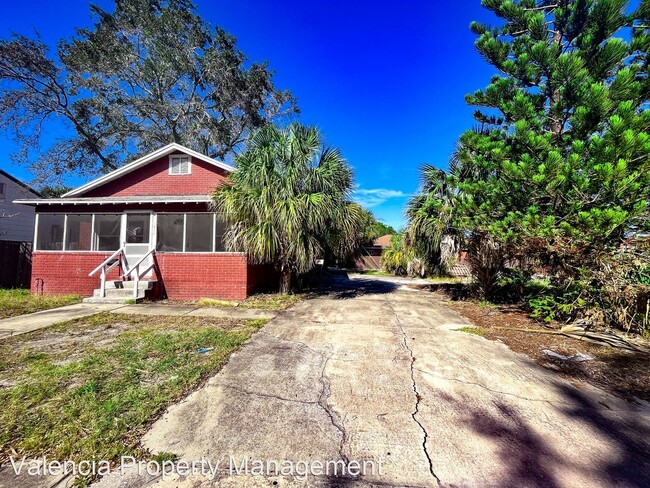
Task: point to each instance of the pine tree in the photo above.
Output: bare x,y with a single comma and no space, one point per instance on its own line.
559,167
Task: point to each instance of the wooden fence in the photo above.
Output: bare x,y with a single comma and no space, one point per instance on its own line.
15,264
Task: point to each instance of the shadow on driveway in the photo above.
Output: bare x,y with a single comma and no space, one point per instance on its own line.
338,285
531,461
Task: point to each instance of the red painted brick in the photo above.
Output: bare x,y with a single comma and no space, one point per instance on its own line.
190,276
63,273
154,179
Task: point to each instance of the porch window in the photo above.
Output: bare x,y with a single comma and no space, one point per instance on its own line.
78,232
170,232
107,232
198,232
50,232
218,238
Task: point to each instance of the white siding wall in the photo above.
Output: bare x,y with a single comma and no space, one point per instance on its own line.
16,221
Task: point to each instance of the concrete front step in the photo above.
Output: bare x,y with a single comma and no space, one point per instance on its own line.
126,284
120,291
114,300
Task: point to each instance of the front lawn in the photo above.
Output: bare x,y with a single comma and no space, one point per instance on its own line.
19,301
88,388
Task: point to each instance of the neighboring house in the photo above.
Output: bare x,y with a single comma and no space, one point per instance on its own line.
16,232
370,256
16,220
147,222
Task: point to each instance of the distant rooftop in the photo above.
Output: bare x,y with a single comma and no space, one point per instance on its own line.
383,241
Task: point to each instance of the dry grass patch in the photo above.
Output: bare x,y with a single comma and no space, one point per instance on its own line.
90,387
260,301
14,302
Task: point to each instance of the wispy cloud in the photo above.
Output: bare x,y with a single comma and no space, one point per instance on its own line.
371,197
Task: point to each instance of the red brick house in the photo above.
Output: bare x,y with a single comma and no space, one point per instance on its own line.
143,229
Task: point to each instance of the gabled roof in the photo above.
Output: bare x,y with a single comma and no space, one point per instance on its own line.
136,199
20,183
383,241
143,161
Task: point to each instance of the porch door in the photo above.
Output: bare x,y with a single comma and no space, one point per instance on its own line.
138,234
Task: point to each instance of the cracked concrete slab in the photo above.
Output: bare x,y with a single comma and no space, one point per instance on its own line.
374,371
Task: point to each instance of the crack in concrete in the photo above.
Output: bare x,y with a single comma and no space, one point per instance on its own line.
268,395
541,400
322,399
291,341
334,418
417,395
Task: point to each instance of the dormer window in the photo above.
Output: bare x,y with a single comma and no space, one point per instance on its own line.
180,164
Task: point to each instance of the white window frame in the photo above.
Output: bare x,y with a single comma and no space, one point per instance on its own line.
214,235
153,231
189,164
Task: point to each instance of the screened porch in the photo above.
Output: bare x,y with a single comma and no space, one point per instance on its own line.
140,231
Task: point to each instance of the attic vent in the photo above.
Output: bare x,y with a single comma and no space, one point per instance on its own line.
179,165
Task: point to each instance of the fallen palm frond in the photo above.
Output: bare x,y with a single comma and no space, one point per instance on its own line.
580,333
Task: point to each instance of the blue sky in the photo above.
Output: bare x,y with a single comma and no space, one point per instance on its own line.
384,81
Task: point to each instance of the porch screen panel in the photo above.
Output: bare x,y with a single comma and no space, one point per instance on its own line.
107,232
169,233
221,230
78,234
198,234
50,232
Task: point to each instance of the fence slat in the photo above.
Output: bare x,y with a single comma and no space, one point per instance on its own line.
15,264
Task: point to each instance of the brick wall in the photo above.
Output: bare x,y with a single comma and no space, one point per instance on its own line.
64,273
190,276
185,276
154,179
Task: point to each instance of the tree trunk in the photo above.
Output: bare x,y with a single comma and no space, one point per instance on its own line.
554,95
285,280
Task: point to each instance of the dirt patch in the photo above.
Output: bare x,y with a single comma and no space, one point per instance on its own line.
621,372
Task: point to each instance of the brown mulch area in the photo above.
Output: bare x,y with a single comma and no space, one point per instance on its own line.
623,373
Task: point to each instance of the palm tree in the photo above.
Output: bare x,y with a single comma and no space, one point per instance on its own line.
431,213
288,202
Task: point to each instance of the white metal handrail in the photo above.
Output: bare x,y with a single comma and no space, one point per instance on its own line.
138,274
105,267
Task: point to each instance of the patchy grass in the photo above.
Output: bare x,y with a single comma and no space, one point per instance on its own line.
473,330
373,272
17,301
271,301
88,388
261,301
214,302
448,280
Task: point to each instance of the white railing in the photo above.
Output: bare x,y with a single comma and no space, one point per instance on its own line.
107,265
137,273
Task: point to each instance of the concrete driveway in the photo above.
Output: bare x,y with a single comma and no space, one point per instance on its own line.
375,372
